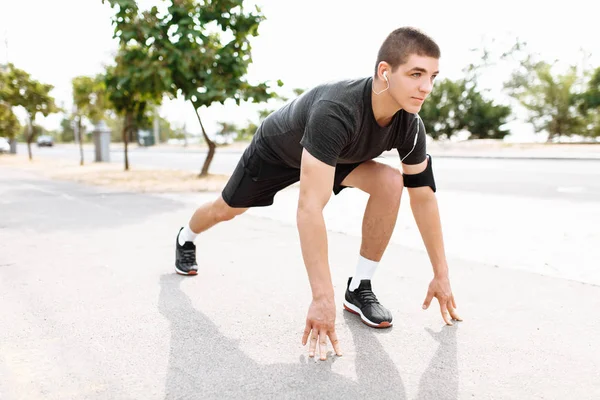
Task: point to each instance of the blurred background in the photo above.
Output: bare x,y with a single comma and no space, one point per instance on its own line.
514,71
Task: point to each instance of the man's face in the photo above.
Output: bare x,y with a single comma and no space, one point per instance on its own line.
412,82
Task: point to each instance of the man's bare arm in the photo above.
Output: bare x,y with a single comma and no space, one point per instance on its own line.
423,203
425,210
316,183
427,216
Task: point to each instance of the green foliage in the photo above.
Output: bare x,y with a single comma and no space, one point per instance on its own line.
549,97
140,76
130,84
247,132
589,106
482,118
9,124
197,49
167,131
67,133
456,105
440,112
453,106
592,94
115,124
89,97
17,88
206,46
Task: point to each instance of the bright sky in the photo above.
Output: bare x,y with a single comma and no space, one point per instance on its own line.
303,43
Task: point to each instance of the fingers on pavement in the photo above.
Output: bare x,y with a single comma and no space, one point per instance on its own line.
313,343
445,314
335,343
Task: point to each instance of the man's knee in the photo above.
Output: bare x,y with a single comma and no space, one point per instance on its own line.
224,212
391,182
377,179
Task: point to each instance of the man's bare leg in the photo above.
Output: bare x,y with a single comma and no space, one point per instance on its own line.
210,214
384,185
205,217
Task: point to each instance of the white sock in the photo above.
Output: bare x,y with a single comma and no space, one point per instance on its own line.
187,235
365,269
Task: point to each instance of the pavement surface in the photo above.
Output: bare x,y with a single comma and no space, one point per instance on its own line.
91,309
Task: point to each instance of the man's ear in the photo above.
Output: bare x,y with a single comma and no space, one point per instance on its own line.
382,67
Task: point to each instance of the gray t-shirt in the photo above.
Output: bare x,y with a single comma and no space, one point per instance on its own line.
335,123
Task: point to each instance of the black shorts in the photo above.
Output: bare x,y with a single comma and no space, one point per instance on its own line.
255,182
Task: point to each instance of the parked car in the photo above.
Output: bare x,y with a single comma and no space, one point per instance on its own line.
4,145
45,140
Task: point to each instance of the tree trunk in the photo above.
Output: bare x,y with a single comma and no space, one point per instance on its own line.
211,146
79,137
29,139
126,128
13,146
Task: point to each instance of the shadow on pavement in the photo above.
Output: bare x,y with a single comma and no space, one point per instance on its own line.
440,380
50,205
205,364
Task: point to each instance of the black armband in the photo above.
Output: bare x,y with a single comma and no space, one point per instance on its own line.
424,178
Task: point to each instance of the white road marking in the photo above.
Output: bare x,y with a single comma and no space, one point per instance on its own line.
570,189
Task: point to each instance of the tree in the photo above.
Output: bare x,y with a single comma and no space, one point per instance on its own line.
166,130
228,130
550,98
130,90
9,124
89,98
246,132
459,105
67,132
207,50
19,89
589,105
453,106
140,77
482,118
440,112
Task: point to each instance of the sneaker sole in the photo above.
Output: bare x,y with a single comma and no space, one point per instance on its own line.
355,310
180,272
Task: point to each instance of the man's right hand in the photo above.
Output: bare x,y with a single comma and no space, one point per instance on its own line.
320,324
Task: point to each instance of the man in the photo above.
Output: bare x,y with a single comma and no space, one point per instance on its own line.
327,139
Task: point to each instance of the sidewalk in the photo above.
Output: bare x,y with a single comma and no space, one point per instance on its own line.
495,149
465,149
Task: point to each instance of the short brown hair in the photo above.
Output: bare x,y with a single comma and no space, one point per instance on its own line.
402,43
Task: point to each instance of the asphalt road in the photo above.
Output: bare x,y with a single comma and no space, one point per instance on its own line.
91,308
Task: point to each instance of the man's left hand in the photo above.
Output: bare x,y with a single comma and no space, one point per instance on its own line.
440,289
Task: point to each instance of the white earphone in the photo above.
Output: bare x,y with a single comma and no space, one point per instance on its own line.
387,81
416,138
417,115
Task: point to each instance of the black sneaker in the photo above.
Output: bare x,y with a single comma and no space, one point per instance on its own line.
363,302
185,257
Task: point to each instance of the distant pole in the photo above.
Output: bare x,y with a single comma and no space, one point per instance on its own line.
156,127
6,45
75,127
74,124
